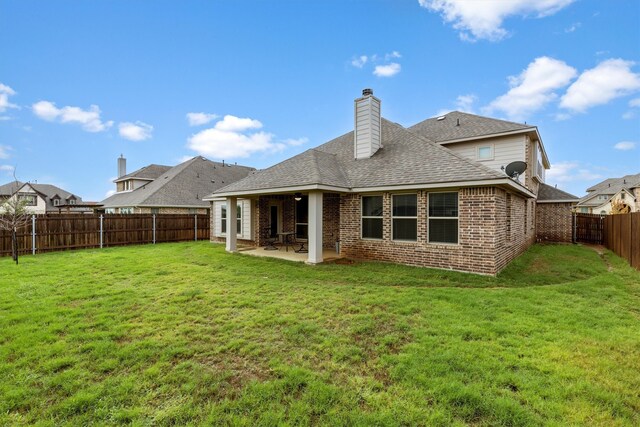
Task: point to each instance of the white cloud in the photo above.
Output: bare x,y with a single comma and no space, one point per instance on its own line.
569,172
237,124
198,119
360,61
4,151
7,169
465,103
634,104
625,145
5,93
483,19
393,55
610,79
573,27
109,193
388,70
220,144
88,119
533,88
296,142
137,131
234,137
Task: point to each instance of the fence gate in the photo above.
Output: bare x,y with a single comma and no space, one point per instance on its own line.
588,228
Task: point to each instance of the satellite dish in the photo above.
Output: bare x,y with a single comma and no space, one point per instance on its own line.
515,169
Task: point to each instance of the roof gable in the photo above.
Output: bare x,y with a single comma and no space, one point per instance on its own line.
149,172
458,125
548,193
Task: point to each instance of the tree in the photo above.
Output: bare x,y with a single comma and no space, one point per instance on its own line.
13,216
619,207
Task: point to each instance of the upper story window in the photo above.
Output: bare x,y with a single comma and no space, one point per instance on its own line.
622,195
56,202
28,199
443,217
72,201
128,185
485,152
404,217
372,217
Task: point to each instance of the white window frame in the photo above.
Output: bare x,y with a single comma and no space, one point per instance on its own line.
30,199
362,217
404,217
126,211
457,218
225,218
484,159
56,202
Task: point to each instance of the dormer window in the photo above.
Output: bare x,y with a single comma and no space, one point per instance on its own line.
71,201
56,202
128,185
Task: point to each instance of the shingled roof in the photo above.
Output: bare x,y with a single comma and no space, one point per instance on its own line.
149,172
9,188
610,186
457,125
547,193
405,159
183,185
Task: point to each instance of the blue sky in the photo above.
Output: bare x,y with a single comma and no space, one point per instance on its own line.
257,82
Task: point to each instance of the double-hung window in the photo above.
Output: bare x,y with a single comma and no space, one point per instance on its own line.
443,217
223,219
405,217
372,217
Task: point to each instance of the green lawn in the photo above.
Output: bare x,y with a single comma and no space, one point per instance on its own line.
186,334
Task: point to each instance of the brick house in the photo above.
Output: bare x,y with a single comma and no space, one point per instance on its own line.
160,189
624,190
432,195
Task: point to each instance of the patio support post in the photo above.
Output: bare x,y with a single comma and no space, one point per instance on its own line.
315,227
232,228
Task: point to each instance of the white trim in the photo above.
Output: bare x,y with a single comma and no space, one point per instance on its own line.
393,188
558,201
445,185
124,178
279,190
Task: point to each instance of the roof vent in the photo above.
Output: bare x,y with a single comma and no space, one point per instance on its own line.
367,92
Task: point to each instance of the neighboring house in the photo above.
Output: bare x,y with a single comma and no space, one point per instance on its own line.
430,195
44,198
554,214
165,189
599,197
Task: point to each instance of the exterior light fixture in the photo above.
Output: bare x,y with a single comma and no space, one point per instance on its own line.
297,196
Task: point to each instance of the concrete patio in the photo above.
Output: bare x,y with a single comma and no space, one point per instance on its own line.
290,255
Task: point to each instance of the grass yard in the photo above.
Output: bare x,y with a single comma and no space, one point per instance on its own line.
177,334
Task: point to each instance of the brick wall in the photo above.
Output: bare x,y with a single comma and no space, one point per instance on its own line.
515,226
554,222
482,246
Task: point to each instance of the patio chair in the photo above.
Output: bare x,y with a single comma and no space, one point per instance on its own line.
302,242
270,240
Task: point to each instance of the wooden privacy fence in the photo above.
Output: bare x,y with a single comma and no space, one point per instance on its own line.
588,228
55,232
622,236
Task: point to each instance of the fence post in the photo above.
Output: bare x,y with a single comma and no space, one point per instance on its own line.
154,229
101,232
33,234
575,225
195,233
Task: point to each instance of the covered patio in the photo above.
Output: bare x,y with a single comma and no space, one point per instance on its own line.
307,220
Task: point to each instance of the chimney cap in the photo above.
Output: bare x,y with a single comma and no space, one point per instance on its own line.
367,92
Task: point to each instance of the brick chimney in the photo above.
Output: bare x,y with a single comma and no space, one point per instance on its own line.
368,127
